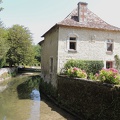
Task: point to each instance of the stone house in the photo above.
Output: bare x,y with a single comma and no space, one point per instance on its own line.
81,35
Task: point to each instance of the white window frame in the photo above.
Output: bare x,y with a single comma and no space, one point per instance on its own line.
109,41
72,35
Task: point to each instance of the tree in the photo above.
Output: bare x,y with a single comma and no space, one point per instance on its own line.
3,46
20,42
1,8
37,51
3,43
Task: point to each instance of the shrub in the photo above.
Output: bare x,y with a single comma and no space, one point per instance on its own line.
88,66
110,75
93,77
94,66
76,72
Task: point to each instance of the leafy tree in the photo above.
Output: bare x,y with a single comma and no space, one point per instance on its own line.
1,8
3,43
20,42
3,46
37,51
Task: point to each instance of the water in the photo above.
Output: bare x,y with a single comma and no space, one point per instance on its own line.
20,100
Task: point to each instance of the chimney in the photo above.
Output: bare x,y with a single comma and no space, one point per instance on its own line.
82,12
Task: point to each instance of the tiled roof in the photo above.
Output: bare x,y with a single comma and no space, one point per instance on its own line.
92,21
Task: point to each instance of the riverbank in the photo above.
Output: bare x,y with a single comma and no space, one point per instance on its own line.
6,73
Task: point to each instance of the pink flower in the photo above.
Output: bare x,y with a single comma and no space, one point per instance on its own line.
72,71
96,74
75,68
115,76
113,70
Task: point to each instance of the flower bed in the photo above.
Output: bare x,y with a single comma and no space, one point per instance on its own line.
76,72
110,75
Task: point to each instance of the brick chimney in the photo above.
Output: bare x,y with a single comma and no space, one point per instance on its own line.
82,12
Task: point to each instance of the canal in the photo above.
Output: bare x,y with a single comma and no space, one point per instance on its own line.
20,99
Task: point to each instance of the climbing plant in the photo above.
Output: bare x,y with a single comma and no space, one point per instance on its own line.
117,62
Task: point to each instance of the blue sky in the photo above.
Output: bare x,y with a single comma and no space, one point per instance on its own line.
40,15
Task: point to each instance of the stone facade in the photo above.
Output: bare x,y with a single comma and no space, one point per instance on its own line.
86,38
91,45
49,51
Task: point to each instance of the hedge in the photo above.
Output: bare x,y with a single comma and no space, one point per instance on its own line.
88,65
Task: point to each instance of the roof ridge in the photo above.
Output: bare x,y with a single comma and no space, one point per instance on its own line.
93,21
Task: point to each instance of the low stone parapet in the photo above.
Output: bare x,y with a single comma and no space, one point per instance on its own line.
92,100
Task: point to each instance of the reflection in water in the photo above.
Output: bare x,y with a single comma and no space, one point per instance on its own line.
4,118
21,100
35,95
30,90
35,107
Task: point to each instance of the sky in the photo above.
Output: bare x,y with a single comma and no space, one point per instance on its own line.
40,15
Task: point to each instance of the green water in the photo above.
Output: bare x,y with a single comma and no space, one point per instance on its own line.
21,99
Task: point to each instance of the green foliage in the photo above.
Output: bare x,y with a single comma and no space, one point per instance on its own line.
24,89
117,62
37,51
94,66
1,8
88,66
2,62
20,42
76,72
110,75
93,77
3,45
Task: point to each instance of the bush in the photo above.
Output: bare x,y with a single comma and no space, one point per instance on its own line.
76,72
93,77
110,75
88,66
94,66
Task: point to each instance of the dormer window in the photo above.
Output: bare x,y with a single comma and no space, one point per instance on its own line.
72,43
109,45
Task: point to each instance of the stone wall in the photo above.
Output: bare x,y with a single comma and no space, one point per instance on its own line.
6,73
49,50
89,99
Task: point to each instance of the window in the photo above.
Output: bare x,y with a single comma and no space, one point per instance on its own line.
72,43
51,64
109,45
109,64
